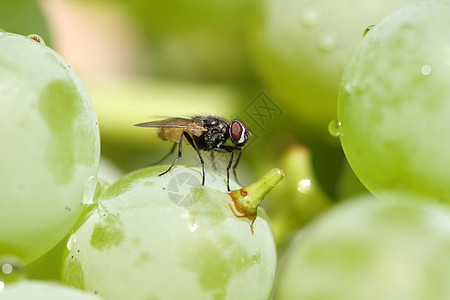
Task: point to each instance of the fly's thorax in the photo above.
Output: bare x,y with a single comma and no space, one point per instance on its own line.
216,132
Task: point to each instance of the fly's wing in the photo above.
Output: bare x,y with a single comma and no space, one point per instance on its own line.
177,124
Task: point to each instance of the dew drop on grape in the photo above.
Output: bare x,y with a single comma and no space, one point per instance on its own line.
90,187
425,70
311,15
71,242
350,86
328,40
334,127
11,270
304,186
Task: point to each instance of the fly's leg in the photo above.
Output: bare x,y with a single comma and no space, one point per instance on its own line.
178,155
227,149
228,169
194,145
235,165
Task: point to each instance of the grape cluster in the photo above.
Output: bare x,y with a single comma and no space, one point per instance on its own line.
147,236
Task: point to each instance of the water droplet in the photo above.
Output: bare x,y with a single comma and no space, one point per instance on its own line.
328,40
11,269
304,186
90,186
193,227
71,242
368,28
351,85
426,70
310,16
334,128
36,38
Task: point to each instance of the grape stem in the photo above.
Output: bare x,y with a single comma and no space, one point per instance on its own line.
246,200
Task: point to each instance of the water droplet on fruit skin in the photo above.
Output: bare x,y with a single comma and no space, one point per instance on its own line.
334,127
71,242
311,15
425,70
350,86
36,38
11,269
304,186
328,40
90,187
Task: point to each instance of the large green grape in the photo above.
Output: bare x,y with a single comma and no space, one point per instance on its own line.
166,237
302,47
394,103
50,147
371,250
41,290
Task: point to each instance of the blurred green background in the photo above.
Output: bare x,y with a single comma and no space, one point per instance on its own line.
274,64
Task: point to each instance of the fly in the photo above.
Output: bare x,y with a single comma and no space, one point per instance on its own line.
203,133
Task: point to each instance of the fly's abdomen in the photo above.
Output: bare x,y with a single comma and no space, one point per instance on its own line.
170,134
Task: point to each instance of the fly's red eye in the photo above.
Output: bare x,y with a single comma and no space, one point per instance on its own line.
237,132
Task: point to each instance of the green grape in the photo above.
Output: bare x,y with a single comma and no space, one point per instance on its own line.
369,249
394,103
40,290
166,237
50,147
301,47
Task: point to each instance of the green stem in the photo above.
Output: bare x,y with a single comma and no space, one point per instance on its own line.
246,200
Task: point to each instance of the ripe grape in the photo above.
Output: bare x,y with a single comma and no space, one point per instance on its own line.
167,237
370,249
50,147
394,103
